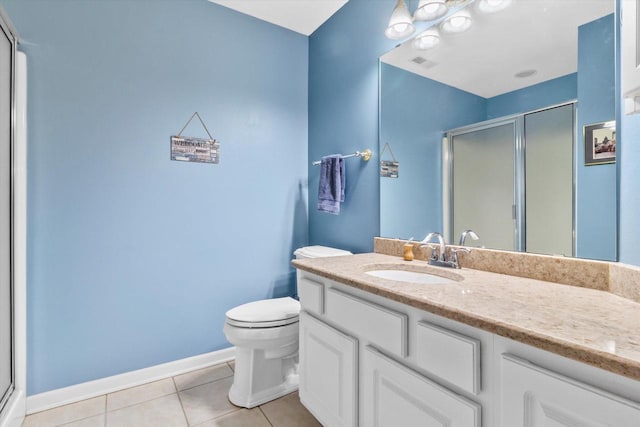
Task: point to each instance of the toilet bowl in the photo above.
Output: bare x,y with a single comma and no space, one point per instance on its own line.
265,335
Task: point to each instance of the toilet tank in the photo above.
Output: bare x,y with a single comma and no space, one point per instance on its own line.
319,252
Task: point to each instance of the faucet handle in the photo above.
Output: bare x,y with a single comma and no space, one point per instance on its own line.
434,250
454,255
456,250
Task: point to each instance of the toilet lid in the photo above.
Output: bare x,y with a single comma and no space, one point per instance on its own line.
269,312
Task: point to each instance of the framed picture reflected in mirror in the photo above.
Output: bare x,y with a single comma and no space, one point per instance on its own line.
600,143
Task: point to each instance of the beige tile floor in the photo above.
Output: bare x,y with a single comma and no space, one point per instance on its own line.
197,398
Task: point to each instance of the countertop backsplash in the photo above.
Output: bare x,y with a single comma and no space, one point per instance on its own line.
619,279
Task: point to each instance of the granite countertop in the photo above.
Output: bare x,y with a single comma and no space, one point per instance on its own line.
588,325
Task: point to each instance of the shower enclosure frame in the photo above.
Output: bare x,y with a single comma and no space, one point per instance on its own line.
13,405
519,159
5,394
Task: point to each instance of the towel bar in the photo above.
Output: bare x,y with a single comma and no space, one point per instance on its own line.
366,155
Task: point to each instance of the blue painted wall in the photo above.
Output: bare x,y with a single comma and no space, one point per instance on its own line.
343,118
541,95
597,206
629,194
133,259
415,113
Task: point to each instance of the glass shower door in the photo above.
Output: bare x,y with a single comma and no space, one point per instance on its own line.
483,185
549,138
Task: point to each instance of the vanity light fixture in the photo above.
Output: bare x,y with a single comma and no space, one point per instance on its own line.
401,22
457,23
427,39
490,6
429,10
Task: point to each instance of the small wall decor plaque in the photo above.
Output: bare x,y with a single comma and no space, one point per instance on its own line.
600,143
388,168
190,149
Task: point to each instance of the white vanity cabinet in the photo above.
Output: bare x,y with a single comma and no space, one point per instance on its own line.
328,372
355,366
536,397
369,361
394,395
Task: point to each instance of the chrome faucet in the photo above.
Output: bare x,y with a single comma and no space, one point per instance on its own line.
439,254
466,233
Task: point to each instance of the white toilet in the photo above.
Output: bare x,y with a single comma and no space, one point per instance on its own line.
265,334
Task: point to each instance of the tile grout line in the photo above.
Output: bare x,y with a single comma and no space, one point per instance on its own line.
208,382
77,419
184,413
265,416
176,391
142,401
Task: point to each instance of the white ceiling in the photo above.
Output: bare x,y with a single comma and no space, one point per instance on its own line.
301,16
529,34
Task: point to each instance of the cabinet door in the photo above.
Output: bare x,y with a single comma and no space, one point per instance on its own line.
394,395
535,397
328,372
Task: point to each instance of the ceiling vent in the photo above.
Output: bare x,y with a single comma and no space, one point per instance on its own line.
423,62
525,74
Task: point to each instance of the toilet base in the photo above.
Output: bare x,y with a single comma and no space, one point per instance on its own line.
266,363
270,380
239,398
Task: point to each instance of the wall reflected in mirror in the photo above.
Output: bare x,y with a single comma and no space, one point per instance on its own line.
465,82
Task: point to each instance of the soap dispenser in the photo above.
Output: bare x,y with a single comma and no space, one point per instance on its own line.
408,250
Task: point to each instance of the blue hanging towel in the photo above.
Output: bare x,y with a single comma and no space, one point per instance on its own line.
332,181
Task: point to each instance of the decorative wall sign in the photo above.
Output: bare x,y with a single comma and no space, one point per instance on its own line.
189,149
600,143
388,168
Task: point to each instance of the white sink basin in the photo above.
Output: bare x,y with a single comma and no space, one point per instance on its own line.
410,276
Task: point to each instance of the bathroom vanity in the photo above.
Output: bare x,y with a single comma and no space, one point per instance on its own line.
482,349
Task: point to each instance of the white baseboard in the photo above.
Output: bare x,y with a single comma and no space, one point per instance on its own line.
75,393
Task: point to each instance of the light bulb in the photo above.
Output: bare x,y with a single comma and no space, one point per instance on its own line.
457,23
427,40
401,27
429,10
401,22
490,6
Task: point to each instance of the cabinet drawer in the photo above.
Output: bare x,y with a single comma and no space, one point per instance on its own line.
381,326
394,395
311,293
535,397
453,357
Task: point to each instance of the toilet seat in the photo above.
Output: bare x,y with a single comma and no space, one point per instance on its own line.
265,313
251,325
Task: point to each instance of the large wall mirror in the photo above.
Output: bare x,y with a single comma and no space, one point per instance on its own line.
507,128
